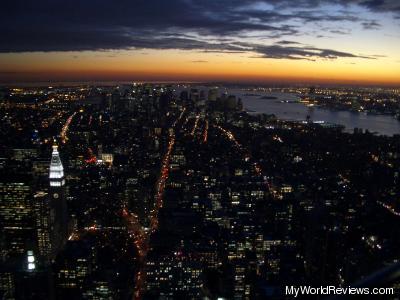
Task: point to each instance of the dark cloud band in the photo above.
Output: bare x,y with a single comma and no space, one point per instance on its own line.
204,25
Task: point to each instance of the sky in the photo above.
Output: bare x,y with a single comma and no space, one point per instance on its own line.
310,41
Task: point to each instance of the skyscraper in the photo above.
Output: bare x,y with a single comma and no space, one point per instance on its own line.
16,229
16,220
43,225
212,94
58,211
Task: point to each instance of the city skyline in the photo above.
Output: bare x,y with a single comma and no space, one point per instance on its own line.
199,149
170,191
349,42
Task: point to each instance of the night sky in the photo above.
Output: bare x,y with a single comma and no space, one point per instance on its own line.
237,40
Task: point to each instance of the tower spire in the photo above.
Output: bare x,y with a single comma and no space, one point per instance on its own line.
56,174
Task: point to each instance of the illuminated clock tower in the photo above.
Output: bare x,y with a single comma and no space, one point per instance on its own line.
58,204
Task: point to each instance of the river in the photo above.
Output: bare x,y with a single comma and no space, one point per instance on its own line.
381,124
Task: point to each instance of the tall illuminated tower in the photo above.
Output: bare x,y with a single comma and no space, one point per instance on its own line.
56,175
58,204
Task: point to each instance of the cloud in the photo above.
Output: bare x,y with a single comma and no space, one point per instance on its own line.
285,42
203,25
385,6
371,25
339,31
306,53
381,5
